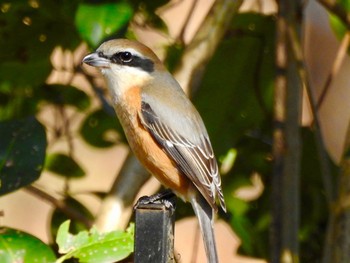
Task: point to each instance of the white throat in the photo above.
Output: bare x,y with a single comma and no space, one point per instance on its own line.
121,78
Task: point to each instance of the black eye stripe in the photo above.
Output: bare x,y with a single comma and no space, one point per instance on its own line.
101,55
128,59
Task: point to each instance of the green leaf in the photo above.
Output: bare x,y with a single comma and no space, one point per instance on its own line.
148,9
63,165
102,130
22,153
30,31
233,101
97,21
67,95
18,104
58,217
314,212
174,53
17,246
93,246
227,161
336,24
32,72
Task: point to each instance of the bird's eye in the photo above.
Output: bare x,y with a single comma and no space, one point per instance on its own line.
125,56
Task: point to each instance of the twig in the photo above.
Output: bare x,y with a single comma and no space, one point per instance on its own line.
67,133
321,149
98,91
202,47
335,68
70,212
278,140
181,37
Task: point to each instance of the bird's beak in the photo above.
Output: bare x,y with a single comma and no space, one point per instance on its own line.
95,60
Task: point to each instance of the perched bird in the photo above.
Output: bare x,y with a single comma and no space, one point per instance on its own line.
163,128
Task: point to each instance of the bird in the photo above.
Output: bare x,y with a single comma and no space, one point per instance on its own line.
163,128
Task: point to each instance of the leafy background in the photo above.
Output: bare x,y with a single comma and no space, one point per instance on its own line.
57,123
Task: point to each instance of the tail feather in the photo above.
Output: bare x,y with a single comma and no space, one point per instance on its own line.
204,213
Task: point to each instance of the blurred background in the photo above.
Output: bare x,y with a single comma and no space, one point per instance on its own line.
59,134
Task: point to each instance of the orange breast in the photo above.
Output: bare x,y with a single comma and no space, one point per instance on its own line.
144,146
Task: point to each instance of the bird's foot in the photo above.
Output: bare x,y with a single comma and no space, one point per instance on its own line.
166,198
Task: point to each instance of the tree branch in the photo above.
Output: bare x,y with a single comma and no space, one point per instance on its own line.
181,37
116,208
287,142
202,47
341,53
59,204
321,149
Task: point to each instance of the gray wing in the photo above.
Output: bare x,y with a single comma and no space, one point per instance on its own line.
195,160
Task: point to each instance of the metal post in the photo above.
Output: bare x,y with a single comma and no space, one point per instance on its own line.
154,232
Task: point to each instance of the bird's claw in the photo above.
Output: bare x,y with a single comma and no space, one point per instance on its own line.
165,198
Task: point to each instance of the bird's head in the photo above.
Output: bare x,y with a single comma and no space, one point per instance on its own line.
124,62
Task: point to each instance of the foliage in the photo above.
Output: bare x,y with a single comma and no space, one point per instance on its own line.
63,165
235,100
17,246
336,24
240,121
22,153
93,246
95,22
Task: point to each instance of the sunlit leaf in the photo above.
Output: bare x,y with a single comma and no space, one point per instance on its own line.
58,217
63,165
18,246
22,153
336,24
93,246
97,21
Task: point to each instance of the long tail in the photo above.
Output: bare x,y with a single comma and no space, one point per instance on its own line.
204,213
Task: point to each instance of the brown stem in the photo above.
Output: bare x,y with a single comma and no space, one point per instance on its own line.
59,204
181,37
202,47
287,142
335,68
